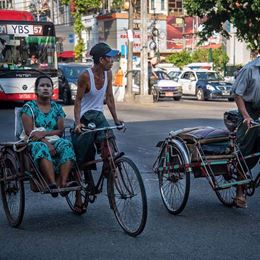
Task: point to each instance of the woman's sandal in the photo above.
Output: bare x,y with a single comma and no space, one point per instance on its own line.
51,187
240,202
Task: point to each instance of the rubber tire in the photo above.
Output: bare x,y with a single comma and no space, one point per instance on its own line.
177,98
200,95
111,196
161,175
156,95
226,201
11,159
66,97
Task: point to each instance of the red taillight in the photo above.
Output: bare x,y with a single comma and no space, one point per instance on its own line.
55,95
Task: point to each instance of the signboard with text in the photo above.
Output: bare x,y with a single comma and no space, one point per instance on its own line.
21,30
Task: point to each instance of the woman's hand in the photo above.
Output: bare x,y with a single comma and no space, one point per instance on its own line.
51,149
78,128
37,135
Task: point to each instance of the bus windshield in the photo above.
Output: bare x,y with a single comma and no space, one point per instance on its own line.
22,53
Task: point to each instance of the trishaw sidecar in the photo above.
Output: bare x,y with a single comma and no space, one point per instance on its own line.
205,152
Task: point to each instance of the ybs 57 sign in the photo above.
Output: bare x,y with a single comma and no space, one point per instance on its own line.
21,30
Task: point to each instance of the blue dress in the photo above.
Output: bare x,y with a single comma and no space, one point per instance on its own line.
39,150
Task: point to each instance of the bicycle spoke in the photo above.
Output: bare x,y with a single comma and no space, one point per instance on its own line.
174,183
128,197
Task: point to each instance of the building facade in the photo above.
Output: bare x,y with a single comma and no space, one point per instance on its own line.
176,31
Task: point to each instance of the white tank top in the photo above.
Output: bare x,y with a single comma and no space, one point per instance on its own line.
94,99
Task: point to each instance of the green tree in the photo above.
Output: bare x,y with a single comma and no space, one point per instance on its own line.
179,59
117,4
79,8
220,59
243,14
200,55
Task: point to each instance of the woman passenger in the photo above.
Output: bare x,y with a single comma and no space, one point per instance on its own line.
56,157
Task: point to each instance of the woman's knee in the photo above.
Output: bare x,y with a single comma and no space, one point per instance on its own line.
63,143
65,147
39,149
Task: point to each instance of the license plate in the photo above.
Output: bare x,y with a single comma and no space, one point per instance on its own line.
25,96
226,93
168,94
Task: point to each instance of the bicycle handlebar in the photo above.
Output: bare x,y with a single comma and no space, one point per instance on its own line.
88,130
255,123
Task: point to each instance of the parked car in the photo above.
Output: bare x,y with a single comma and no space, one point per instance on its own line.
167,67
174,74
205,84
68,74
163,87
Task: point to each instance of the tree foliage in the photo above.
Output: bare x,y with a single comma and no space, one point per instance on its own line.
79,8
179,59
200,55
243,14
117,4
220,59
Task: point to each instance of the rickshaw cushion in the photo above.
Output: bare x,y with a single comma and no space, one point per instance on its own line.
213,141
207,134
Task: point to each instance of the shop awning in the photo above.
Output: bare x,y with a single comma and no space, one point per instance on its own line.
66,54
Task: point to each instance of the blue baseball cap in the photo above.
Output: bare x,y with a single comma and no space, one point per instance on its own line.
102,49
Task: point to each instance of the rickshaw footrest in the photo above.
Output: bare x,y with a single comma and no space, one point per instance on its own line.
235,183
77,188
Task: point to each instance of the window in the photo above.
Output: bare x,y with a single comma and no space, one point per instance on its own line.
192,77
186,75
152,4
162,5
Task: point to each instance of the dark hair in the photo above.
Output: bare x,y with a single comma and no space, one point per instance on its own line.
96,60
38,80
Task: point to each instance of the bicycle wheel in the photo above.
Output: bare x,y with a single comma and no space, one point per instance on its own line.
12,189
226,195
174,183
72,196
127,196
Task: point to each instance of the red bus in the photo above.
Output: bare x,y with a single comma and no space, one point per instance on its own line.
22,39
16,15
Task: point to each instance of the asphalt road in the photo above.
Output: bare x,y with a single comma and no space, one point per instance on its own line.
204,230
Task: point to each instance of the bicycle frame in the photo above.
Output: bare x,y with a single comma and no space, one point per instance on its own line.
123,191
97,188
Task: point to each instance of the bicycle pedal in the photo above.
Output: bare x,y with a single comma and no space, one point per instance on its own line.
118,155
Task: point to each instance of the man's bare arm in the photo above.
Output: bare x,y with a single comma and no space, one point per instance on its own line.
83,86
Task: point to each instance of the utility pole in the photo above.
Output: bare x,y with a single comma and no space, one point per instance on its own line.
52,10
144,51
129,94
